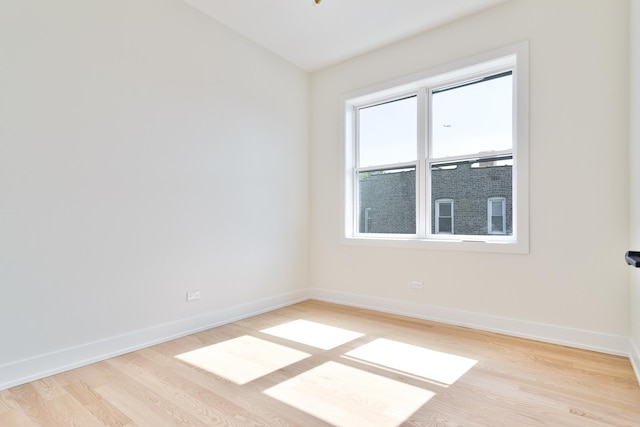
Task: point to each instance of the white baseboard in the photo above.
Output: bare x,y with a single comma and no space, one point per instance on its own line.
23,371
634,356
604,343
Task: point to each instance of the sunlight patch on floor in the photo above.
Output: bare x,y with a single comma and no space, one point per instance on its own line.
313,334
346,396
243,359
443,368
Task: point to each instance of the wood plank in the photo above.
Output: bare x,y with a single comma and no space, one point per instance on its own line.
93,401
16,418
142,415
34,406
7,401
49,388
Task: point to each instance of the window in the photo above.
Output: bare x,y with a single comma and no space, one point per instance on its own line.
497,215
444,216
417,148
386,195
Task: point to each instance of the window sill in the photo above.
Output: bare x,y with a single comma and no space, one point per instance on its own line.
506,246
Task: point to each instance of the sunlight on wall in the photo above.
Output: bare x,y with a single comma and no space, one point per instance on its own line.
442,368
314,334
342,395
242,359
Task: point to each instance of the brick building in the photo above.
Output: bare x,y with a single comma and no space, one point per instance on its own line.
467,199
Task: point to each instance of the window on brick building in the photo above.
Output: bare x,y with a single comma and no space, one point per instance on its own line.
497,215
458,138
444,216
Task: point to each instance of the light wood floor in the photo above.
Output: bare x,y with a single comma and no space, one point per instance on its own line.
315,364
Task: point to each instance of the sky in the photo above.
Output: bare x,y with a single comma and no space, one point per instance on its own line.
465,120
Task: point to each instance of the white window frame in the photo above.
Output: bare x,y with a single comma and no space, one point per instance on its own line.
503,214
438,216
514,58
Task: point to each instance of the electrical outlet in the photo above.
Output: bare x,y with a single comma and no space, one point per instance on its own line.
193,295
417,285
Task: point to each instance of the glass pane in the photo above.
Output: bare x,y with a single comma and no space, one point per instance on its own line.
496,224
444,208
387,201
473,118
445,225
470,187
388,133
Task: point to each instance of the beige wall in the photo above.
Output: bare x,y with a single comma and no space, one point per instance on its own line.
144,151
574,276
635,179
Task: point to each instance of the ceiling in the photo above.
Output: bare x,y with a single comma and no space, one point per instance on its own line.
314,36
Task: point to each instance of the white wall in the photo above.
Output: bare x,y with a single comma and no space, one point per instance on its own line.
575,277
144,151
635,181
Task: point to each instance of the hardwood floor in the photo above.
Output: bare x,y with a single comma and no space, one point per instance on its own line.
315,364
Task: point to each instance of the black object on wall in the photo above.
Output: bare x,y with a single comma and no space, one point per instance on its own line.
633,258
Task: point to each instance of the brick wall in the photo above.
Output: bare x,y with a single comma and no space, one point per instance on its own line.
391,202
390,198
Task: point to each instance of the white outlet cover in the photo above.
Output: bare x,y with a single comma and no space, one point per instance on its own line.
417,285
193,295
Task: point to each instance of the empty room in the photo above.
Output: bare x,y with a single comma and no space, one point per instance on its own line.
319,213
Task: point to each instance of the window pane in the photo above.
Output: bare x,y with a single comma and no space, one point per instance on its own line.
445,209
472,118
387,201
388,133
445,225
496,224
470,187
